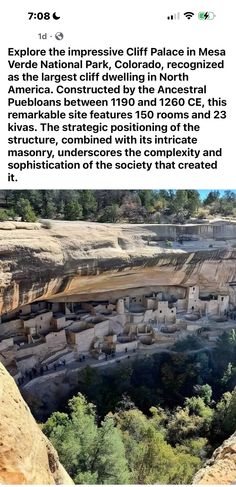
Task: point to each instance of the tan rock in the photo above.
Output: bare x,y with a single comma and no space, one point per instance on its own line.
90,259
26,455
221,468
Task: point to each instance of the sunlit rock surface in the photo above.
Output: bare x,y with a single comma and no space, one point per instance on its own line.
221,468
91,259
26,455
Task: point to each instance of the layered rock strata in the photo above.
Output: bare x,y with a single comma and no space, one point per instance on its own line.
92,259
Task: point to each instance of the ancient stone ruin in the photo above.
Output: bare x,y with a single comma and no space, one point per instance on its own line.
93,293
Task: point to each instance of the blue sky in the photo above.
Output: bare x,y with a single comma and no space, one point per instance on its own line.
204,192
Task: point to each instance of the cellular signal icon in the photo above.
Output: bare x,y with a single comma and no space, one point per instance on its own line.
174,16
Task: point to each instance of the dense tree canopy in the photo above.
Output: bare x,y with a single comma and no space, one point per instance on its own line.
135,206
126,447
156,419
90,454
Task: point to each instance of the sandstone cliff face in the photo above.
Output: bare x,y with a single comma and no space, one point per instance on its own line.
221,468
88,259
26,455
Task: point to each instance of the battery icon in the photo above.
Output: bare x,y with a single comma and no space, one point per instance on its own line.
206,15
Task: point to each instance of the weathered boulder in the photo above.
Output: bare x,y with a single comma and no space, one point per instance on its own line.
26,455
221,468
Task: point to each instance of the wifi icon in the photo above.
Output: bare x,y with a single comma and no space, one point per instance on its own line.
188,15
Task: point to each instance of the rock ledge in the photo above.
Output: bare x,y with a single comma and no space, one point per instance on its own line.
221,468
26,455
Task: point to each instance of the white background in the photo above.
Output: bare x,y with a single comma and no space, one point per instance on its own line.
121,24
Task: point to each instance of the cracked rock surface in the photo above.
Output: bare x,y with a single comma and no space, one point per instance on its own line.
90,259
221,468
26,455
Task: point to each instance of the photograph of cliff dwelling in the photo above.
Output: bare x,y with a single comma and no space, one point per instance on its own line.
117,337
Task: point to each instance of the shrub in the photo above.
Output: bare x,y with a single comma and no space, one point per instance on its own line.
45,224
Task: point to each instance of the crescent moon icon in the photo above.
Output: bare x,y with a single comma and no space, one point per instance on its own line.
54,15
